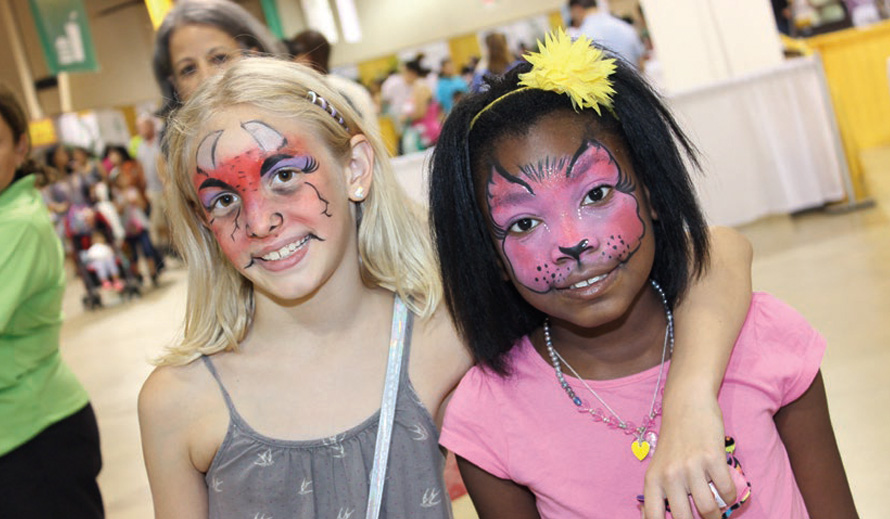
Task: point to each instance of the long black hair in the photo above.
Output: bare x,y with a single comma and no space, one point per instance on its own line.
486,309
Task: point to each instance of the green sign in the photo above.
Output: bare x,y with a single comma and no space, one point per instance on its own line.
273,21
65,35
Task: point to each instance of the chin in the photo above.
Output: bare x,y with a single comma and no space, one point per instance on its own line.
602,312
285,295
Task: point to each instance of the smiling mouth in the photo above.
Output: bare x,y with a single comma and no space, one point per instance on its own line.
286,251
588,282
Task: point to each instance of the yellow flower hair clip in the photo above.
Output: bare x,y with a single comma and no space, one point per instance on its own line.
574,68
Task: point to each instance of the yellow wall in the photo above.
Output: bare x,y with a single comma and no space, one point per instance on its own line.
856,66
373,69
463,48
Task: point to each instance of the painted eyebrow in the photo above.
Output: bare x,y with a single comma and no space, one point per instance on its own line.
214,182
498,169
544,168
625,184
304,163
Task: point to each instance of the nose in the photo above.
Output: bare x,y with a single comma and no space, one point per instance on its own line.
263,224
203,72
576,250
572,239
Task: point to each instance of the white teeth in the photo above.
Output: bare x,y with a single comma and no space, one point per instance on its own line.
286,251
588,282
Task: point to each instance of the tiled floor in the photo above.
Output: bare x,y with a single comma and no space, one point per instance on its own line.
834,268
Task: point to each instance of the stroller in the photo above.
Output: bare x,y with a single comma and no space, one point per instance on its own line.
80,224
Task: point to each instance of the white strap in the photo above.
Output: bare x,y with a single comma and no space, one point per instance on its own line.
387,408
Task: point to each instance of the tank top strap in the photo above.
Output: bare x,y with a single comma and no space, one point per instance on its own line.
222,388
406,342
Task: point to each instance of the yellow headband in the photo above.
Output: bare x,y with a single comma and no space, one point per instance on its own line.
575,68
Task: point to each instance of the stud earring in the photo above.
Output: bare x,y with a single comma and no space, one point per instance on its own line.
360,192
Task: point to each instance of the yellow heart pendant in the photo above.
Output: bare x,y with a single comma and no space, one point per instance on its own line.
640,450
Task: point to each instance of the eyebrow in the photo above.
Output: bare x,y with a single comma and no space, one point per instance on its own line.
499,170
218,47
214,182
512,198
544,168
271,161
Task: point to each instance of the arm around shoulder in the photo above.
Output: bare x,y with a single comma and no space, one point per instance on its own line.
690,449
711,314
165,418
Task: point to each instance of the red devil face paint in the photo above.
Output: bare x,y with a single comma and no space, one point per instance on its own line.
565,222
268,190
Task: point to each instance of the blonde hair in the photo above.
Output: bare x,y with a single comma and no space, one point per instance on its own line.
393,241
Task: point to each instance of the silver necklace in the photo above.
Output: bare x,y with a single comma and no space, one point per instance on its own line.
645,437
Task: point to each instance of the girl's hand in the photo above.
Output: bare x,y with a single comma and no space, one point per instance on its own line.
690,454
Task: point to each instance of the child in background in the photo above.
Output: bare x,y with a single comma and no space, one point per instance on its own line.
573,171
100,258
132,206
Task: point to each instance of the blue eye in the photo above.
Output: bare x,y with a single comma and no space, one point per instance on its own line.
597,194
524,225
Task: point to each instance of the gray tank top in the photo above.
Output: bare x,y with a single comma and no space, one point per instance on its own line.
256,477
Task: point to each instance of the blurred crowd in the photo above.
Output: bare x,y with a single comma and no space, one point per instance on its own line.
108,211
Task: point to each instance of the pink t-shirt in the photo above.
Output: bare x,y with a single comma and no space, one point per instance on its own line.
524,427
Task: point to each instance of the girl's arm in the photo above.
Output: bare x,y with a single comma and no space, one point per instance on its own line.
495,498
177,487
805,428
691,450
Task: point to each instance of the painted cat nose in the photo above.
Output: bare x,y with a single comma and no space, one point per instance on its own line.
576,250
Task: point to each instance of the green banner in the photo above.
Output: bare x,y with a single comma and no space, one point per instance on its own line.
64,32
273,20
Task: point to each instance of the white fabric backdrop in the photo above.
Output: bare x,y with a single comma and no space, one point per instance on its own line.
768,143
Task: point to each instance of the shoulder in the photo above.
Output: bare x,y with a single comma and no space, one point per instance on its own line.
439,358
770,319
166,387
173,396
439,344
25,224
777,349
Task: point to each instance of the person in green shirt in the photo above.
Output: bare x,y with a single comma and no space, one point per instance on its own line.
49,439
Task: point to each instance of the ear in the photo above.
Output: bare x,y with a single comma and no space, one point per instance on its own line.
359,170
503,268
652,213
21,150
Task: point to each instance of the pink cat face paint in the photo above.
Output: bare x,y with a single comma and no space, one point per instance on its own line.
565,221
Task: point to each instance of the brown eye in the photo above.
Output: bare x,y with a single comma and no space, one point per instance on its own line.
219,59
284,175
596,194
524,225
186,71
